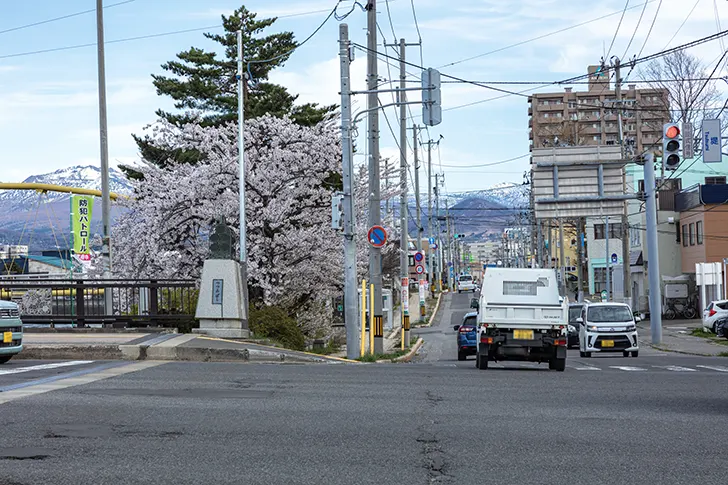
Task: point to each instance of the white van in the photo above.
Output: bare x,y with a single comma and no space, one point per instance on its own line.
608,327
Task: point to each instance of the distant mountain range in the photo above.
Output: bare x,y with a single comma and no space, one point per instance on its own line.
42,221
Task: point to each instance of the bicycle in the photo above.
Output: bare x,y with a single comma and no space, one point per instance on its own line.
684,309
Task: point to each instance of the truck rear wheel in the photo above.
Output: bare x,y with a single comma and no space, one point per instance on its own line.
481,361
5,358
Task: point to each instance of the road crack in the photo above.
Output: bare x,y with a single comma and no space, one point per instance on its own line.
435,458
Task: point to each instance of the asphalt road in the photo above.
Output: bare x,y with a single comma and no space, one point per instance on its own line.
433,421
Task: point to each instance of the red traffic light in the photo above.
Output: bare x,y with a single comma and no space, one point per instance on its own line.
672,132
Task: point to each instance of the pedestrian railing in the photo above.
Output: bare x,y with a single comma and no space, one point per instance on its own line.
134,303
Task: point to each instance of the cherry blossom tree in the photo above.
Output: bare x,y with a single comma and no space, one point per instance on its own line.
294,257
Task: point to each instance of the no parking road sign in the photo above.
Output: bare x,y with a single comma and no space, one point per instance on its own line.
377,236
420,269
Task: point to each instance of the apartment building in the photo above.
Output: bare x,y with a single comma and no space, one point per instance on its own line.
573,118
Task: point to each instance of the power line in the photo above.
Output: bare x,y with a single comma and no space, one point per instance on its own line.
682,24
419,36
537,38
63,17
488,164
609,51
636,28
650,31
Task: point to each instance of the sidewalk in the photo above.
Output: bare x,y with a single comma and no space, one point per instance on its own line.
393,337
676,337
155,346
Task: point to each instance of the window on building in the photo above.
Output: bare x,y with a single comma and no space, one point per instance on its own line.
595,126
598,231
600,279
685,235
699,231
714,180
597,137
634,237
615,231
574,116
692,234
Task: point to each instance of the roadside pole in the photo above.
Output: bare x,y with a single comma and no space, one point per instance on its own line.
403,199
448,256
375,216
104,145
430,239
363,322
562,271
241,177
350,285
626,275
607,262
418,209
653,266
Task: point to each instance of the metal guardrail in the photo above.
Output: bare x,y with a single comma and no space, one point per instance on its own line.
136,303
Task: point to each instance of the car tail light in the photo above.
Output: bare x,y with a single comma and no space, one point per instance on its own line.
486,340
712,312
466,329
560,342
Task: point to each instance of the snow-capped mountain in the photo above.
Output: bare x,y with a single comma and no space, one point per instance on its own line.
84,177
42,220
506,194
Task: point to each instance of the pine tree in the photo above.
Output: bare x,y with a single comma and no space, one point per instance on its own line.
203,82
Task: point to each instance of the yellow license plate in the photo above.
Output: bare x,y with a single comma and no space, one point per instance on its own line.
523,334
607,343
7,337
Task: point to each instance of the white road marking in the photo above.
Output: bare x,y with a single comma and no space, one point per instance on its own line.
675,368
77,381
627,368
20,370
718,368
586,368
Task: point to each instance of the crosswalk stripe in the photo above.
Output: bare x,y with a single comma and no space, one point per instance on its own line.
675,368
20,370
718,368
627,368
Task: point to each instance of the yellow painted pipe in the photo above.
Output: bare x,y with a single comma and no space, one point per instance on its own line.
54,188
363,317
371,319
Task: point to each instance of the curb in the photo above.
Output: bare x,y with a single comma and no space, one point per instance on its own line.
664,349
408,356
278,349
434,312
146,352
149,330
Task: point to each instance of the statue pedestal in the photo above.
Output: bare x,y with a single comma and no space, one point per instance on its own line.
221,306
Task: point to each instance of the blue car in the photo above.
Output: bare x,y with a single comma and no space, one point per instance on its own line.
467,335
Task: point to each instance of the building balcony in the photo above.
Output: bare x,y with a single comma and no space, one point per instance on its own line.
551,107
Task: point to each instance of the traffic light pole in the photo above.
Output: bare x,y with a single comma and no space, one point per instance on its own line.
350,285
653,268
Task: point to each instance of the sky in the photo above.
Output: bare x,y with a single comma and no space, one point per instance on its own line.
49,101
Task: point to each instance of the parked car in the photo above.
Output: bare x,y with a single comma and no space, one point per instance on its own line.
715,311
608,327
11,331
574,314
467,335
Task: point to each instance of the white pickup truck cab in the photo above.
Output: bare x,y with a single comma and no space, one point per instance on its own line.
521,317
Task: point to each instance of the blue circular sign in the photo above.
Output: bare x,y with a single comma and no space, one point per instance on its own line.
377,236
418,256
614,257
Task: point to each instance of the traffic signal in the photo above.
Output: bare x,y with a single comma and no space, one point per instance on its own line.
671,146
337,211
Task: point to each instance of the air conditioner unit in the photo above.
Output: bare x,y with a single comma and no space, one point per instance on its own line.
671,220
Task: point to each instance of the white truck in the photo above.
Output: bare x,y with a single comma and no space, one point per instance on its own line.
522,317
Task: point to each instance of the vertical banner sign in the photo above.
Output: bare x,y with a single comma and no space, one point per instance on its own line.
423,293
81,208
688,141
405,296
711,142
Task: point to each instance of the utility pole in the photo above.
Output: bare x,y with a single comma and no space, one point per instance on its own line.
430,252
449,257
580,267
350,283
627,286
403,200
375,211
418,209
653,268
439,230
608,263
104,142
562,272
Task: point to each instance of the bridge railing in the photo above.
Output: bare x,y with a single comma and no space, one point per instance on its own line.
136,303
